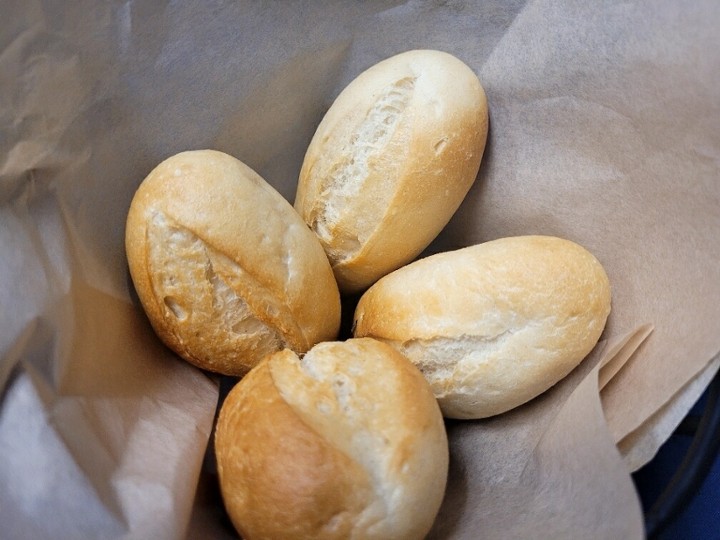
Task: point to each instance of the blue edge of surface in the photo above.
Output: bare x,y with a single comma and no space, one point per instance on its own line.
701,517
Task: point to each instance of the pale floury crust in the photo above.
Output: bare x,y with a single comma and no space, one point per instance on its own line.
224,267
348,442
493,325
391,161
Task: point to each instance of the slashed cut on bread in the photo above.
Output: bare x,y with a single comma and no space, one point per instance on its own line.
226,270
391,161
491,326
347,442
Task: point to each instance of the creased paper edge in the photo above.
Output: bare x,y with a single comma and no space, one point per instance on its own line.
641,445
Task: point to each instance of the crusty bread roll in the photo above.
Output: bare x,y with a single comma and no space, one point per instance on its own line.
493,325
224,267
347,442
391,162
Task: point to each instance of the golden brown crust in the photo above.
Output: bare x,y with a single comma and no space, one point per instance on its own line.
224,266
277,474
391,161
323,447
494,325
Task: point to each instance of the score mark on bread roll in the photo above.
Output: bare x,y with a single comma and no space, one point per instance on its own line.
348,442
493,325
391,162
222,264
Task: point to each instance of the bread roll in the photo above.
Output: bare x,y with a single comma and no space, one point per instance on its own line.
224,267
493,325
391,162
348,442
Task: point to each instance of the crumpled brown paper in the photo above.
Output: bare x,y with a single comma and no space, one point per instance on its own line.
540,465
603,130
